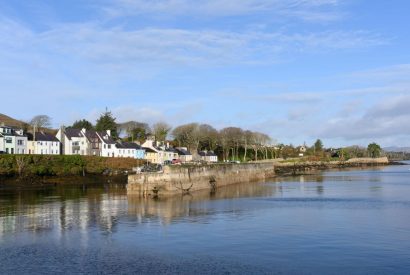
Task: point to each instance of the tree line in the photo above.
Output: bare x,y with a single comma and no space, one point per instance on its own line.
230,143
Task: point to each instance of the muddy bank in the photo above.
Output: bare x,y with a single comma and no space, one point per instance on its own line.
302,168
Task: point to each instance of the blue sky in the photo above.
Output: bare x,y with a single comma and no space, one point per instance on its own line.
298,70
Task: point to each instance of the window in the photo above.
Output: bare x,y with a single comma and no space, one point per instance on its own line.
20,142
109,146
9,140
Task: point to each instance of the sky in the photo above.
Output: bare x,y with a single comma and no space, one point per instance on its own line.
298,70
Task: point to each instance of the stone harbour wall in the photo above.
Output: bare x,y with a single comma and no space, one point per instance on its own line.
183,179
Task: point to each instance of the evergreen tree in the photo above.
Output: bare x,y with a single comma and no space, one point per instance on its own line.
318,146
374,150
107,122
80,124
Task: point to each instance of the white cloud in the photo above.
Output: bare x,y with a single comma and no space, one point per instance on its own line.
388,118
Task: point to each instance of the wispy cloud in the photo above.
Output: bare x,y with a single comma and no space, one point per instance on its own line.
119,47
308,10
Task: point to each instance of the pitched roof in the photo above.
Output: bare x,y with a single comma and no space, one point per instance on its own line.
42,136
149,150
129,145
183,152
104,137
207,154
91,134
71,132
170,149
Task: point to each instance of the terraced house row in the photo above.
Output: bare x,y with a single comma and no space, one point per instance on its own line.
69,141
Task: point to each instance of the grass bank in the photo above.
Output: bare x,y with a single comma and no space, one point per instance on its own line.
62,165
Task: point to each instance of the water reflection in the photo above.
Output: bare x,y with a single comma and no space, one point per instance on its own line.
61,208
99,206
167,209
353,220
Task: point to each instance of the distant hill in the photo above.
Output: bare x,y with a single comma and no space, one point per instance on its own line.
397,149
9,121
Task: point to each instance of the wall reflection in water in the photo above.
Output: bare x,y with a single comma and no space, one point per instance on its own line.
58,209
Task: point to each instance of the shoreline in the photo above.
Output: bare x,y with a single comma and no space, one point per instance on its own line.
283,169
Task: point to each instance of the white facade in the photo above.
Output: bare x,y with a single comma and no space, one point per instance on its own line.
108,148
13,141
126,152
44,147
74,142
1,143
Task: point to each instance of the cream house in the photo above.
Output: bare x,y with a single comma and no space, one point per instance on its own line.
43,144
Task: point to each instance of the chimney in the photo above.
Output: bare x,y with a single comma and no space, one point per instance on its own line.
109,133
167,145
84,130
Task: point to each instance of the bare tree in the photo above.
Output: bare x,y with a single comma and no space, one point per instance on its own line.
40,121
246,141
208,137
135,130
161,130
21,164
187,135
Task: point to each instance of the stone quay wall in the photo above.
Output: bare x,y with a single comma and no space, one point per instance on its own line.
183,179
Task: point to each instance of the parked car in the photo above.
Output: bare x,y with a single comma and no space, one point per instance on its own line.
167,162
176,161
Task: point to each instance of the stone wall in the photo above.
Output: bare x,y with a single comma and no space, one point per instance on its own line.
182,179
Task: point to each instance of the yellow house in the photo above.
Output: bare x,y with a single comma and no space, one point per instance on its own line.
151,155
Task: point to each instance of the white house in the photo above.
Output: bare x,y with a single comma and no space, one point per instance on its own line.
208,156
184,154
85,142
43,144
13,140
73,141
2,143
130,150
108,148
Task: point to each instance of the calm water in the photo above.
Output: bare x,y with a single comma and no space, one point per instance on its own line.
338,222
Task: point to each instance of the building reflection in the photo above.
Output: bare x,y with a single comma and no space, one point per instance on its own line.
56,210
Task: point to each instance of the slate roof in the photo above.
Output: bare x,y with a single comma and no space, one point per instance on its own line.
207,154
71,132
149,150
183,152
106,138
42,136
129,145
172,150
91,134
13,131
